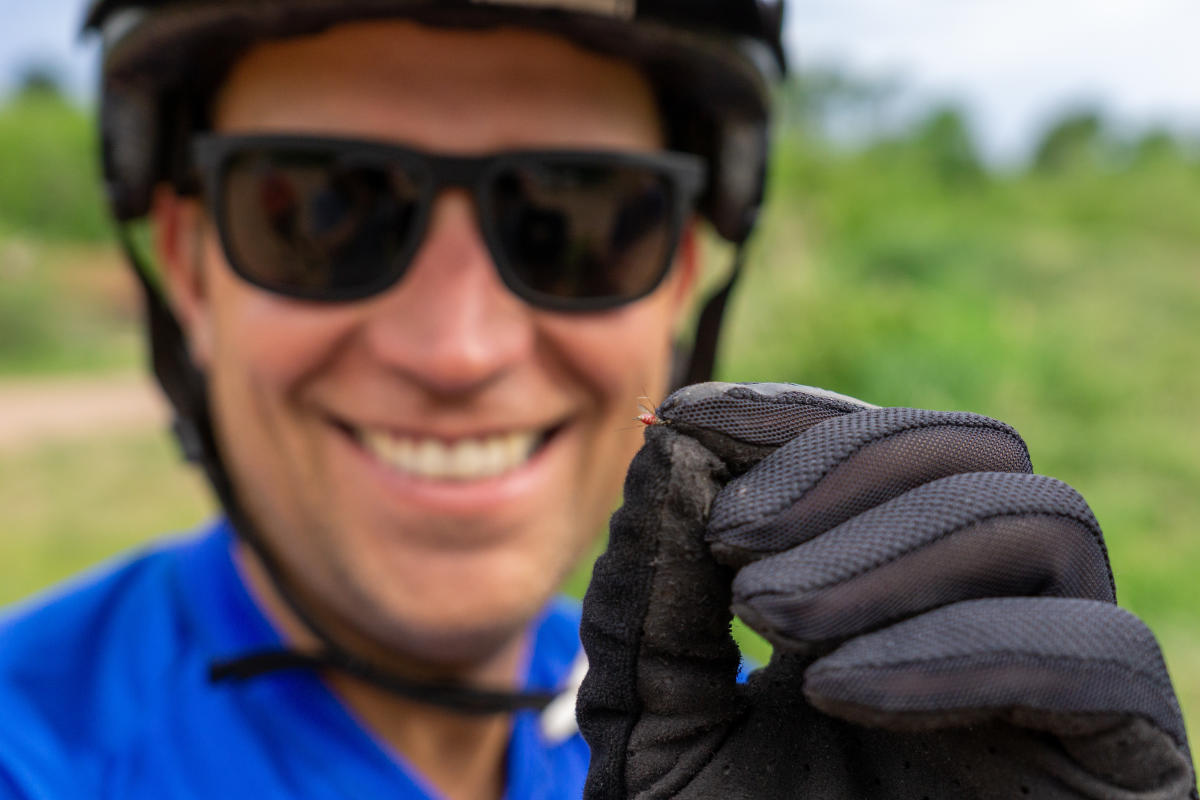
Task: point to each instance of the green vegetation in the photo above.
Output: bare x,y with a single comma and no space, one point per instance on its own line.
63,304
65,308
50,184
1063,299
71,503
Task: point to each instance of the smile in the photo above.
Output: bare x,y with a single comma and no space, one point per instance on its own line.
463,460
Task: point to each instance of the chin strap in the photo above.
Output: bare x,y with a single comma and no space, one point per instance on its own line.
185,388
452,696
557,708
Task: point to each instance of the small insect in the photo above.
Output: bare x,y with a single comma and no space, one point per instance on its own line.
648,417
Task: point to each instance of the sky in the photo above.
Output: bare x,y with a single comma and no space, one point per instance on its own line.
1017,63
1013,64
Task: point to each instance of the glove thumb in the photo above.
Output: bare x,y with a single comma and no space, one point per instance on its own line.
663,667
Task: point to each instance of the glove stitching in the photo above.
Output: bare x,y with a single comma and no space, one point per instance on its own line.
974,422
798,398
791,400
1122,666
892,557
716,750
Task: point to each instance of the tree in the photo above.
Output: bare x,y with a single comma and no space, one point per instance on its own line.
1076,140
945,141
40,78
829,103
1158,146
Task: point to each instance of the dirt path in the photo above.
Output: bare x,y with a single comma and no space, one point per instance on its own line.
34,411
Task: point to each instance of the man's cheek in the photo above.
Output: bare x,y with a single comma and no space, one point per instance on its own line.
618,347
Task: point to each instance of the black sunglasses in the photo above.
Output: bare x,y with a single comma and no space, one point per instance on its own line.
336,219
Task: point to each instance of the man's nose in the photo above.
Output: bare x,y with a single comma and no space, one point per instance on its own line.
450,324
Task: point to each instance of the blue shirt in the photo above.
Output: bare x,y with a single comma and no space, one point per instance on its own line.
104,693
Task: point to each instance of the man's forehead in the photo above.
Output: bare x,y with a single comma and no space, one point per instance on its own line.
447,90
620,9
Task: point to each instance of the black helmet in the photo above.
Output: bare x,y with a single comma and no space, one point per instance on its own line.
711,63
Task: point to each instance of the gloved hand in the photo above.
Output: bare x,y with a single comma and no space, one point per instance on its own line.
943,620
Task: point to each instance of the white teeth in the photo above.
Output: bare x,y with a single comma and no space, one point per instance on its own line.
464,460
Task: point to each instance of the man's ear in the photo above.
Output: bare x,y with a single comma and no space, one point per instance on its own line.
179,244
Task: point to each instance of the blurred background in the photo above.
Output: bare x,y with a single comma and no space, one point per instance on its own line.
992,206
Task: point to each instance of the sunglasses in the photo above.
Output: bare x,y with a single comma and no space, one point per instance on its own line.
337,220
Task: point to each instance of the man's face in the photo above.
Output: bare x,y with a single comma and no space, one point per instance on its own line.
332,416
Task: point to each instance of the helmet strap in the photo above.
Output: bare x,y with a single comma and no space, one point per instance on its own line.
699,366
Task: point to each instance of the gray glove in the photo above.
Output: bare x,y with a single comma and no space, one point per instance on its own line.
943,620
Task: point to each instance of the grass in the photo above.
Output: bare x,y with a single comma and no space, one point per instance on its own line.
69,504
65,308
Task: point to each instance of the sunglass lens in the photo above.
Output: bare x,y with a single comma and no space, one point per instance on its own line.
601,233
307,224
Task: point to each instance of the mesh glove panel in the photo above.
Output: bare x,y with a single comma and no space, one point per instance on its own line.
944,620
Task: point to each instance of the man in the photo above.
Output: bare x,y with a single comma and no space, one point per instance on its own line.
421,258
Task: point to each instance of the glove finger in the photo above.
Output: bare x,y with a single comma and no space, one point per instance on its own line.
663,667
1088,672
662,682
846,465
962,537
743,422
